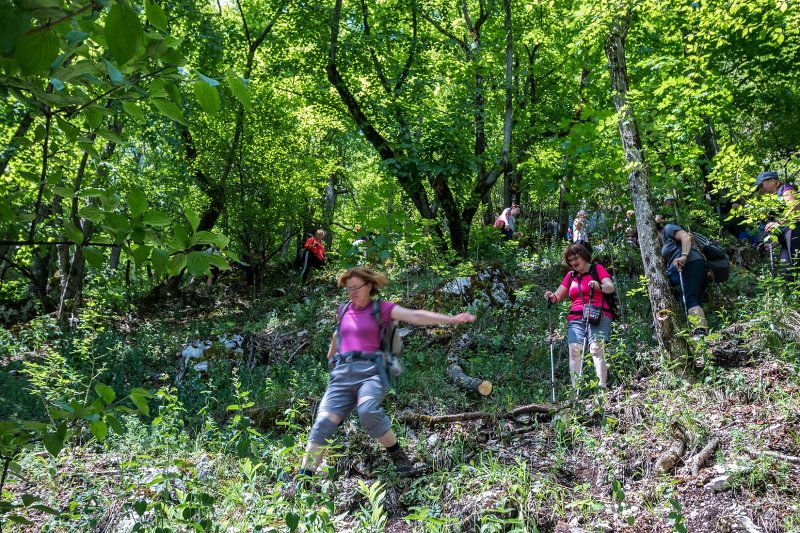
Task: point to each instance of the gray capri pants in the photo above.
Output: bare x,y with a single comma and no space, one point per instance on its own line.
601,331
347,383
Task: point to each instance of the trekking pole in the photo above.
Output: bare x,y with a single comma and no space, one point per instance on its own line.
683,298
550,328
768,242
587,331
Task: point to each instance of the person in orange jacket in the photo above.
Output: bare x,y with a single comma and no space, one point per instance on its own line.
313,254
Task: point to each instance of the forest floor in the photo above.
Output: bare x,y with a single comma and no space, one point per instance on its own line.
626,460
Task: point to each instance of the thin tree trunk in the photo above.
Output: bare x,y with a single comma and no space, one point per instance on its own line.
664,306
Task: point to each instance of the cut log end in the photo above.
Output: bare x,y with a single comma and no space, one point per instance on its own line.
485,388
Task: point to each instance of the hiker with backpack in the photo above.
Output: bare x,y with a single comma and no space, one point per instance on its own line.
356,357
788,238
506,222
686,270
313,254
588,286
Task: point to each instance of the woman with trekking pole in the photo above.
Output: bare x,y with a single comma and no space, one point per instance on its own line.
589,318
686,269
358,379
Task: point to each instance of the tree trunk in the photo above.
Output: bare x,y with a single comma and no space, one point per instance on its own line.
664,307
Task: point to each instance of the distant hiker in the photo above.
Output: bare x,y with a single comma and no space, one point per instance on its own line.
506,222
356,379
579,231
686,270
585,278
313,254
788,238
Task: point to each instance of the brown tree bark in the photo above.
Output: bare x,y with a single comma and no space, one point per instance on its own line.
664,307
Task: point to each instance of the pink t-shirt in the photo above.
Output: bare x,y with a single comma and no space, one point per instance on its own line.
358,331
575,293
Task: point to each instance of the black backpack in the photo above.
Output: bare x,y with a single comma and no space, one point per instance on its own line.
610,301
718,263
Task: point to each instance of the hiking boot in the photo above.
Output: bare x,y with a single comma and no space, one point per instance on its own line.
403,464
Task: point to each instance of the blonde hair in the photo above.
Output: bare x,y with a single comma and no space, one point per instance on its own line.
377,279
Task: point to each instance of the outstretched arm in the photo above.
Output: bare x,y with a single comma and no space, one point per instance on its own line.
555,297
420,317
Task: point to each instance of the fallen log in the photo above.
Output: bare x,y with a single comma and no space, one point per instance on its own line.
482,386
702,456
771,453
457,374
667,461
417,418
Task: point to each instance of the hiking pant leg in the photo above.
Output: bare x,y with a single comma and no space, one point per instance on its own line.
306,266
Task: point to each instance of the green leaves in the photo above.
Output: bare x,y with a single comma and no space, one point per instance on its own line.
105,392
239,88
156,219
139,398
123,32
54,440
13,24
207,96
169,109
93,256
137,201
133,110
35,52
156,15
198,262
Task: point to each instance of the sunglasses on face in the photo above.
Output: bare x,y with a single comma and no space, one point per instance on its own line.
354,289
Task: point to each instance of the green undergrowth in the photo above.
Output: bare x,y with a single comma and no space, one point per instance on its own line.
214,452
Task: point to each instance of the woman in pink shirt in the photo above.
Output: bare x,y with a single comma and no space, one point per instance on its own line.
356,380
578,283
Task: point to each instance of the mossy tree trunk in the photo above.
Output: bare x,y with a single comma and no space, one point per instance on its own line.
665,308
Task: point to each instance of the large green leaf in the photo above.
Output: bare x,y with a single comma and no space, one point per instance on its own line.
219,261
36,51
91,212
160,261
53,443
94,257
157,219
141,253
137,201
198,262
99,429
133,110
94,118
239,89
204,237
69,130
105,392
176,263
73,233
117,223
181,237
13,25
64,192
192,217
114,74
156,15
207,96
169,109
123,32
